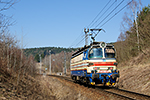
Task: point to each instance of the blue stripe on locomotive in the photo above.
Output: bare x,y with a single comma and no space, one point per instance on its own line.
79,72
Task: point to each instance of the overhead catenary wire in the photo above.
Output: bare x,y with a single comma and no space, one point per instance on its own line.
116,13
93,21
110,13
105,17
100,16
104,12
99,13
80,41
81,35
90,24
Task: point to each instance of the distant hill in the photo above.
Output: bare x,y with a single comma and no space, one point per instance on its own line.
45,50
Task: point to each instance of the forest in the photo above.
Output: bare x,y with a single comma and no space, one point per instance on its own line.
45,51
134,38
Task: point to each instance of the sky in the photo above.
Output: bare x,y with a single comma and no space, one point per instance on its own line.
61,23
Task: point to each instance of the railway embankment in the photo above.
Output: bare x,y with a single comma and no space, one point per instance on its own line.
68,90
46,88
26,88
79,91
53,88
135,74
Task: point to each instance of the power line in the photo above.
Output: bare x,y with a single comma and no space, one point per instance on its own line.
80,41
110,13
76,39
92,22
105,12
89,25
105,17
116,13
99,13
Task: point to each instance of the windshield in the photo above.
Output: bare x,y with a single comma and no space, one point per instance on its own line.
109,53
96,53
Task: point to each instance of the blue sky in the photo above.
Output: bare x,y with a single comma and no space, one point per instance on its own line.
60,23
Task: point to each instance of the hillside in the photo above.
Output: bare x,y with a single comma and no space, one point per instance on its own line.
135,73
133,52
29,88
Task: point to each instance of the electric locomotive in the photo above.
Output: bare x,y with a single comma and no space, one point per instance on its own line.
95,64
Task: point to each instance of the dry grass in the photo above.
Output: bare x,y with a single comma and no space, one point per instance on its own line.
27,89
64,90
135,74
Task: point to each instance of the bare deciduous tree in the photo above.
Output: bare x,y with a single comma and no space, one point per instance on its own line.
130,18
12,59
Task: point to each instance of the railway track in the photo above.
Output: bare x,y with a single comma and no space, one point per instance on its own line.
119,93
129,94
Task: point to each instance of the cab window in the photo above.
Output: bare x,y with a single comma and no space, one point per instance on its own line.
109,52
96,53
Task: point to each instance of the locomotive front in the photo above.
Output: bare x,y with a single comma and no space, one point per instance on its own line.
97,64
102,64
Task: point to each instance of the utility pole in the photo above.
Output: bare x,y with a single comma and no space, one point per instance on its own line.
50,62
65,62
86,36
53,66
40,63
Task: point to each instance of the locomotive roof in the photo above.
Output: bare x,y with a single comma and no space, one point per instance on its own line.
88,46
